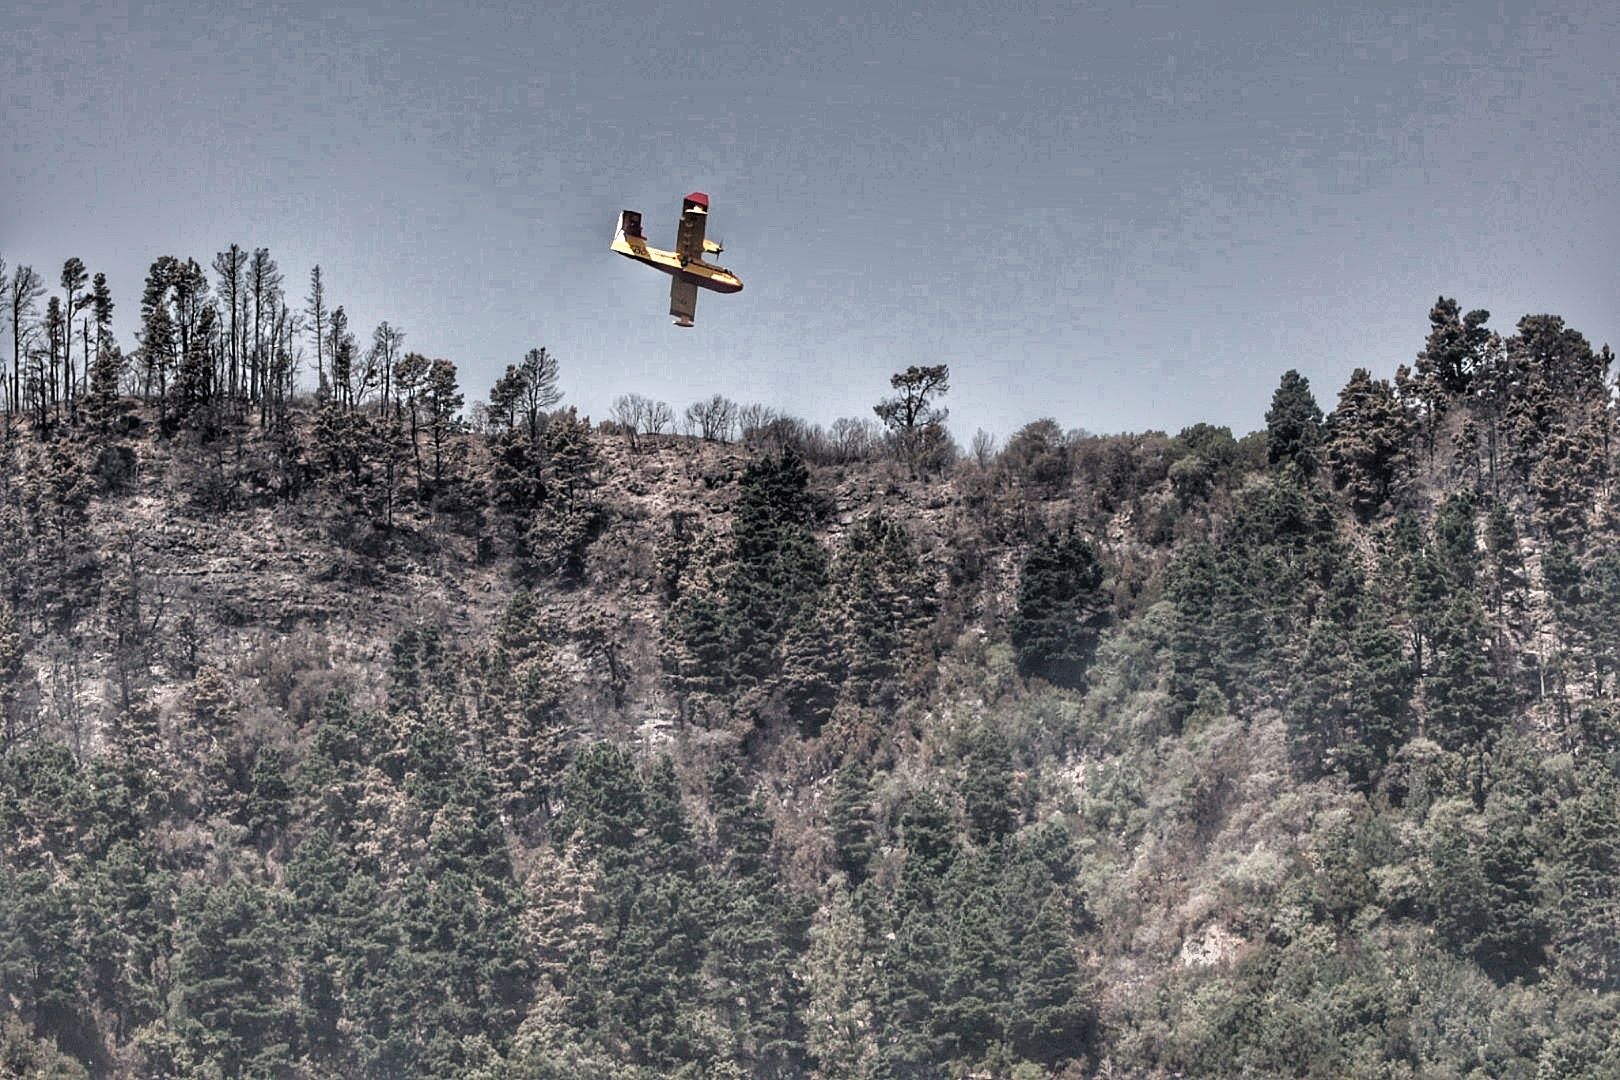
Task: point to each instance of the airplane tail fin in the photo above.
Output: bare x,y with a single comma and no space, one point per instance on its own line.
629,224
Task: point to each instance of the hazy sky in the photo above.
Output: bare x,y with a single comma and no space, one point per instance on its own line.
1120,216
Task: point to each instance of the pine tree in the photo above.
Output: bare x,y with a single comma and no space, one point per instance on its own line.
42,959
74,280
103,402
929,836
409,376
971,1013
1049,1017
987,787
230,265
1466,701
47,388
533,390
462,972
134,772
157,334
1411,568
443,400
562,894
1564,581
818,649
742,832
569,517
1512,943
1382,681
603,802
842,979
913,416
347,936
66,490
910,1045
852,822
1455,346
268,804
1584,881
22,296
1507,572
516,485
774,572
13,673
1456,545
858,638
570,456
1368,442
263,283
387,345
1061,608
1293,424
1557,420
1193,583
231,979
666,830
208,738
1602,619
1242,602
756,946
125,913
1320,706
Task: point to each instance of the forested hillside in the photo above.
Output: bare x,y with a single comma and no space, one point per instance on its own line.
348,729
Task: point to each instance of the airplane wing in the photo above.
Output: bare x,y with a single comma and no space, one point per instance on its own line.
682,301
694,220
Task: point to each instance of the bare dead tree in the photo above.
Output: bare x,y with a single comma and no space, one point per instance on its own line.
74,279
229,265
316,310
264,286
714,419
387,344
26,289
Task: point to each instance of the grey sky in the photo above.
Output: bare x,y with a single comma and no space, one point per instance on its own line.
1121,216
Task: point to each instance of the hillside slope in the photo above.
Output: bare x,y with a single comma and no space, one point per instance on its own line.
576,751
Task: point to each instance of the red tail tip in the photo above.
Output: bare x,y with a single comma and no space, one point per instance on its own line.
700,198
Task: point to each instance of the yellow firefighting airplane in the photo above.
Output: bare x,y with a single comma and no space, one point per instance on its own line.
686,263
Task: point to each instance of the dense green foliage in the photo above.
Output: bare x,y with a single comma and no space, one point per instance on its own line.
345,737
1061,606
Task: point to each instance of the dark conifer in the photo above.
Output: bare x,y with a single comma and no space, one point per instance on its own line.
1368,442
1294,424
852,821
1466,701
1061,608
1455,347
987,787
